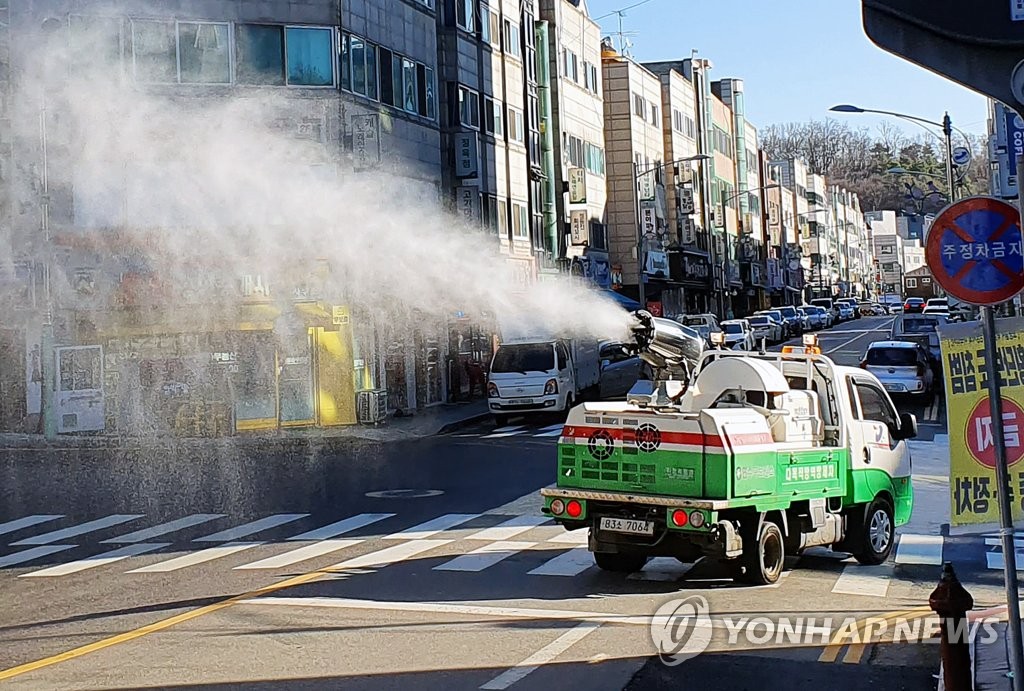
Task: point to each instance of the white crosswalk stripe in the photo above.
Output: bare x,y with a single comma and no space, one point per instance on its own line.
433,526
552,431
200,557
26,555
252,528
504,432
110,557
27,522
81,529
317,549
163,528
571,537
858,579
389,555
919,549
571,563
484,557
341,527
510,528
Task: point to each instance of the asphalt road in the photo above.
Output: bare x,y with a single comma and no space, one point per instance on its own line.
405,565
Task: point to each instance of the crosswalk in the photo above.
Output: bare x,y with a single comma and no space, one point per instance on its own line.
522,430
47,546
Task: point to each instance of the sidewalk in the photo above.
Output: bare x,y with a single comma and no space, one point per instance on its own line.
436,420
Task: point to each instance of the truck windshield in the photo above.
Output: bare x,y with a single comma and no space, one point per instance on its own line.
921,325
527,357
892,357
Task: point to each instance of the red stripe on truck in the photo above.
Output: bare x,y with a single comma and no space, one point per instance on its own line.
629,435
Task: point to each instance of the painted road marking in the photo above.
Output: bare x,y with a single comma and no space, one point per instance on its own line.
389,555
661,569
163,528
571,563
505,432
542,656
483,557
193,558
527,504
994,560
552,431
27,522
510,528
81,529
343,526
251,528
858,579
317,549
433,526
571,537
92,562
919,549
33,553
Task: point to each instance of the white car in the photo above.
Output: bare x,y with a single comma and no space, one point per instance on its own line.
738,334
939,306
765,328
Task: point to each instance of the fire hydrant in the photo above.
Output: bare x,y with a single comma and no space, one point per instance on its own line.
952,602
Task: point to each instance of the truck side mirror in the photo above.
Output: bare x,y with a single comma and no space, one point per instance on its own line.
908,426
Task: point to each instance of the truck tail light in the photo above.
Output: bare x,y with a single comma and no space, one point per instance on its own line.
696,519
574,509
492,390
551,387
679,518
557,506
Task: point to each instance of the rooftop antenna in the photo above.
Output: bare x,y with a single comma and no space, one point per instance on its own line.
624,43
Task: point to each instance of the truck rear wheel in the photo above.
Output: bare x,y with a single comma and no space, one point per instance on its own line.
763,558
619,562
876,535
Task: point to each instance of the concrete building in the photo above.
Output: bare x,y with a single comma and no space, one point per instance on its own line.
636,182
913,255
887,248
851,235
793,175
353,84
578,180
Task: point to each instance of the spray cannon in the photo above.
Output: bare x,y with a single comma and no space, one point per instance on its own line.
668,347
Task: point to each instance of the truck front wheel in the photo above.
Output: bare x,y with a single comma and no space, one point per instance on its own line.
619,562
763,558
876,536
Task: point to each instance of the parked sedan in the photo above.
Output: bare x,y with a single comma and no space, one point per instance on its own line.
776,316
826,316
813,318
903,367
619,370
913,306
766,329
846,311
793,320
738,334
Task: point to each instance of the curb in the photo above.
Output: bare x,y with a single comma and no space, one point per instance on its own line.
466,422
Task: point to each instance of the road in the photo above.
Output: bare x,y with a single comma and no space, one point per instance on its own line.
407,565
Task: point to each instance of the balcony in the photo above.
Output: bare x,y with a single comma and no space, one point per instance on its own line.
815,199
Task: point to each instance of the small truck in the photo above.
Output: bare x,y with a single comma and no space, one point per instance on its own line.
741,457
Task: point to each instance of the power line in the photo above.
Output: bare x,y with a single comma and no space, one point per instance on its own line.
620,11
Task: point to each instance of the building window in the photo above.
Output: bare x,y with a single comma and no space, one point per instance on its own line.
490,26
575,152
598,235
465,14
926,281
203,53
502,218
467,107
590,78
911,283
424,91
655,115
310,54
516,129
593,158
511,42
520,221
489,206
493,118
411,90
259,54
639,106
572,67
359,66
154,52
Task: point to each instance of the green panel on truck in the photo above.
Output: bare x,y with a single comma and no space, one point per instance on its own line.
865,485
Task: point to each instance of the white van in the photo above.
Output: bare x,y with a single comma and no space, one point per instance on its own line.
537,376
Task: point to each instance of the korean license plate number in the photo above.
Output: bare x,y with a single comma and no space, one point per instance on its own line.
627,525
521,401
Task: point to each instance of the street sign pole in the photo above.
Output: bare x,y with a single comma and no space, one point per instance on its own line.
1003,488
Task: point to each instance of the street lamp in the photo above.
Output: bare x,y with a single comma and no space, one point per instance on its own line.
946,126
637,174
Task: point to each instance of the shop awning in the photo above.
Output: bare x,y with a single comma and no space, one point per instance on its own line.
627,303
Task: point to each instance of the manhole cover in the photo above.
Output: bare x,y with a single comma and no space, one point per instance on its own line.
405,493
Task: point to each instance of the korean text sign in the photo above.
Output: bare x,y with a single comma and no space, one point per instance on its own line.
972,454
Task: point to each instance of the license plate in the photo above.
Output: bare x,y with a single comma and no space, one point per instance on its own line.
627,525
895,387
521,401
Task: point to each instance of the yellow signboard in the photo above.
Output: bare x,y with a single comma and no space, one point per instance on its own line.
972,481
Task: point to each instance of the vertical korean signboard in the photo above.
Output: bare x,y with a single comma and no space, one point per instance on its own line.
971,451
577,186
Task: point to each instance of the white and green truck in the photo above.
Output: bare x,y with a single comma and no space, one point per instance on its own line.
741,457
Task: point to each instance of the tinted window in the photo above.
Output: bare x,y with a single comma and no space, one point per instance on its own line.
920,325
694,321
310,57
788,311
260,54
733,328
562,355
533,357
892,357
760,321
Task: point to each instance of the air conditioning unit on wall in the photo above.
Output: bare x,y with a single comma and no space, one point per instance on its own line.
372,406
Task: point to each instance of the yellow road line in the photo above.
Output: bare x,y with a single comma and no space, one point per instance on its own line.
155,626
843,637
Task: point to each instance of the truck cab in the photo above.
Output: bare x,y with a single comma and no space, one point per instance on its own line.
762,455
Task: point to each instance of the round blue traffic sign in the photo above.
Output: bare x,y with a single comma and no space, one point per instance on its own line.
974,251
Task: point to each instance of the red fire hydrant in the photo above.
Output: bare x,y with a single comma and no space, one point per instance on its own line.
951,602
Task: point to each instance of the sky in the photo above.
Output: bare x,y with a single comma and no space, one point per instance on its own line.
797,59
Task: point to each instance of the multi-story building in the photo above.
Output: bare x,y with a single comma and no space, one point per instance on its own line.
850,240
887,248
352,86
637,221
809,223
577,180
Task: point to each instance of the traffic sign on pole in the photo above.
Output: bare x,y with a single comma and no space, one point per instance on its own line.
974,251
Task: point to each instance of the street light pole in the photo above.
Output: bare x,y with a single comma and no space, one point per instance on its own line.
947,130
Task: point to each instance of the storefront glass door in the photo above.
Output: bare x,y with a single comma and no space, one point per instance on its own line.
298,405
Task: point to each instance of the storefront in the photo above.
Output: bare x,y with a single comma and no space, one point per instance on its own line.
470,348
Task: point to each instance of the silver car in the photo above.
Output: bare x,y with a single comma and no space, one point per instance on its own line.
813,320
903,367
765,328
